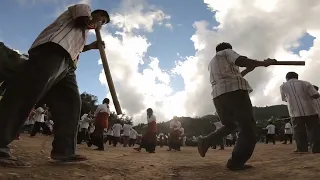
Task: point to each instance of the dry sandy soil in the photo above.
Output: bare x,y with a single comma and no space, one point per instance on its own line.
276,162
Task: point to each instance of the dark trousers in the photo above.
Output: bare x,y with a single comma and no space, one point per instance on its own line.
271,138
36,128
109,139
149,141
132,142
304,125
46,130
97,137
228,142
82,135
115,141
288,137
29,128
125,140
235,110
218,143
48,75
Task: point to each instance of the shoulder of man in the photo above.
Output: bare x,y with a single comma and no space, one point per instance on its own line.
84,6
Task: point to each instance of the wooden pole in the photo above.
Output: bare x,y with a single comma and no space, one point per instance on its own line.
293,63
108,73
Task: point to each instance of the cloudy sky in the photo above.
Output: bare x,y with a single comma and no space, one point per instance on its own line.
158,50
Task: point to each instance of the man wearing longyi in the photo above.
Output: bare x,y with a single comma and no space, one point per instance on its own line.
230,92
50,74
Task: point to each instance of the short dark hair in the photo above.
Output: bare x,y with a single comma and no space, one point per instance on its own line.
223,46
106,101
292,75
149,110
103,13
316,87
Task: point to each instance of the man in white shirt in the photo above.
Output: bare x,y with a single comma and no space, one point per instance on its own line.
184,140
39,120
126,133
218,125
161,139
271,133
84,126
230,92
116,132
175,126
50,72
133,137
181,139
109,136
300,96
288,131
229,140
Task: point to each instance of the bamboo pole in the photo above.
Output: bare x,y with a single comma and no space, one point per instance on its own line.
293,63
108,73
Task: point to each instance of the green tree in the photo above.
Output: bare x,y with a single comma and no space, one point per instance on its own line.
88,102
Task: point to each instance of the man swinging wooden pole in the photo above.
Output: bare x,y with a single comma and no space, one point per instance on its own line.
108,73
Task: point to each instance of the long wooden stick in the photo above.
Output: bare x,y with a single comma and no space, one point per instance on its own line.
293,63
108,73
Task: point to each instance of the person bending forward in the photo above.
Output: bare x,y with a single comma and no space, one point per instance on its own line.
49,75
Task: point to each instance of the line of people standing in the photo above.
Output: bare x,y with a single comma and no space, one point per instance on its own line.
39,120
94,129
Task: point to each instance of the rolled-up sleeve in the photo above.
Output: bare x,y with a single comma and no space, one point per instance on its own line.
231,55
311,90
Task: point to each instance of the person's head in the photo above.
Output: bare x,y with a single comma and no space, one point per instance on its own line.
316,87
175,118
149,111
292,75
101,15
270,122
118,121
106,101
222,46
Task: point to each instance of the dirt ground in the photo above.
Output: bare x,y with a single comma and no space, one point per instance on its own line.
276,162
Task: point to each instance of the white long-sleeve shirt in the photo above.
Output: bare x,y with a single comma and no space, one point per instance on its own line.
126,129
116,130
110,132
299,94
175,124
39,116
102,108
84,124
133,134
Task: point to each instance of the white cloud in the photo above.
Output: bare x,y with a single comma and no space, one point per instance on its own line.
168,25
138,90
258,29
135,15
64,4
